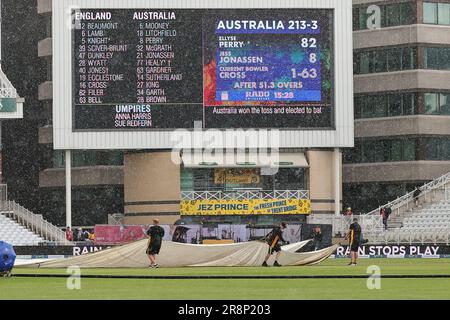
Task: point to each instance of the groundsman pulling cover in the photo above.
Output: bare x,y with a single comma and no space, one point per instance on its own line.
175,254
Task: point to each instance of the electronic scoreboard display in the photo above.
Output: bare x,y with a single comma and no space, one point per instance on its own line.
167,69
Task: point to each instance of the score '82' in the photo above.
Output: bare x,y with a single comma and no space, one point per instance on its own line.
308,42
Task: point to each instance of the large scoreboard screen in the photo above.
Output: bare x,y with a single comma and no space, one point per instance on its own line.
237,68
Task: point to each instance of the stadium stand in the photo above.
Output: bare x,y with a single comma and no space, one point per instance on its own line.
17,235
19,226
421,219
415,219
429,224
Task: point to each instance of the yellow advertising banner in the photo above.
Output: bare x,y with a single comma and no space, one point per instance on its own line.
236,176
245,207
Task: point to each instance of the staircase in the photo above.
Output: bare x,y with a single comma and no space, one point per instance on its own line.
416,222
438,189
396,221
33,222
13,233
428,224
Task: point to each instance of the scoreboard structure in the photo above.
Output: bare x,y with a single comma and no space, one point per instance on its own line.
128,74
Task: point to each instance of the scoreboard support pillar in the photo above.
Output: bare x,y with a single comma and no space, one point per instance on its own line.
1,154
68,157
337,181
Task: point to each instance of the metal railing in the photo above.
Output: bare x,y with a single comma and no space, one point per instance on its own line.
341,224
8,93
33,222
245,195
406,200
398,236
116,219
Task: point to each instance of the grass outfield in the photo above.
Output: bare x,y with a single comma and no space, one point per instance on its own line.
198,289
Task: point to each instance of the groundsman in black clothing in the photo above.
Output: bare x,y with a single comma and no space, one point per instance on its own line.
354,236
155,235
273,239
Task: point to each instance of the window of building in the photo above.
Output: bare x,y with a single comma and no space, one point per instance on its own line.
380,61
394,59
381,150
355,21
379,106
430,12
373,151
221,179
58,159
393,15
353,155
290,179
396,150
437,103
446,149
408,13
86,158
362,19
395,105
432,58
437,148
444,13
385,60
366,107
409,150
357,106
187,180
432,149
365,62
444,103
83,158
436,13
437,58
408,58
445,58
409,103
431,103
390,105
203,180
